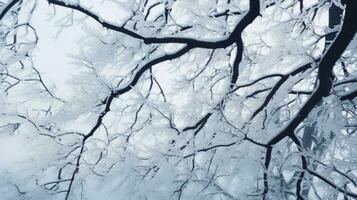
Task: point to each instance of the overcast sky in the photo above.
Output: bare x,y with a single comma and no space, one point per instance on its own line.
51,56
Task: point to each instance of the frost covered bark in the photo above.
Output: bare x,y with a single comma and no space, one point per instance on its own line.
182,99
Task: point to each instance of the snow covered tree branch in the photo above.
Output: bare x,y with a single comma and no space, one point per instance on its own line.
178,99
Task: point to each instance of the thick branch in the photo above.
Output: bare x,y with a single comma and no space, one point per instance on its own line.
7,8
247,19
325,75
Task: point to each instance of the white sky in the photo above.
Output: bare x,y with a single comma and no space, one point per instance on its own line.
51,54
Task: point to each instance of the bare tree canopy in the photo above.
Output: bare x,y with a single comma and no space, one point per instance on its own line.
179,99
